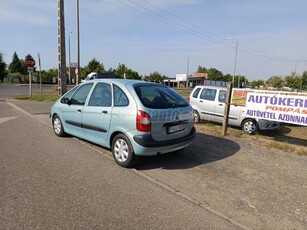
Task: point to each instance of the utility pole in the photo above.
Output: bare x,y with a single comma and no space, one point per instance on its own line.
78,46
188,66
235,67
61,49
40,73
69,60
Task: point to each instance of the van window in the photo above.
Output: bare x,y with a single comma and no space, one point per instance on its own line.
196,92
208,94
222,96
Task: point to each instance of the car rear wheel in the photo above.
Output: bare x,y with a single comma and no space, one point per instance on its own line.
196,116
250,126
122,151
58,127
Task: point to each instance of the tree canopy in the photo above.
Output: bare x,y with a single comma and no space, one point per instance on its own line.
156,77
17,65
3,71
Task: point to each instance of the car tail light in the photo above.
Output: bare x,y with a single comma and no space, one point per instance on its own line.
143,122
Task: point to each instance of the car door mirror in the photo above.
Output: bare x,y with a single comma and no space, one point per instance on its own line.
64,100
69,101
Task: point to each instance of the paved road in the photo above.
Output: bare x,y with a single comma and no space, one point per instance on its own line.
48,182
232,179
13,90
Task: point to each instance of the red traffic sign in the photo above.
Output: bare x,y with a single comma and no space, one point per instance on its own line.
30,62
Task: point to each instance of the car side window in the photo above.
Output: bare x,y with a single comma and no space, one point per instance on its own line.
65,98
196,92
120,98
79,97
208,94
222,96
101,95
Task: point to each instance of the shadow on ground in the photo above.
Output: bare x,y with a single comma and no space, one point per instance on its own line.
204,149
287,133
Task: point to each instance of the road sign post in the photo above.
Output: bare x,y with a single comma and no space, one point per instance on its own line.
30,63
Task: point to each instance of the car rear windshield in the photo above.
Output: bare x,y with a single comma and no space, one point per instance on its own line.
156,96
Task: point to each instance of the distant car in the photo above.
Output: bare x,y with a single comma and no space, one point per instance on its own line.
208,103
94,75
132,118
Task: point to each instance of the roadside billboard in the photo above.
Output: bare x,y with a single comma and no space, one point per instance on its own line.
287,107
277,107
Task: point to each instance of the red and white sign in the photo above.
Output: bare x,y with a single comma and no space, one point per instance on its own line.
30,62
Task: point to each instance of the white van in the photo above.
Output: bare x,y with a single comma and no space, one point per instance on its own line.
208,103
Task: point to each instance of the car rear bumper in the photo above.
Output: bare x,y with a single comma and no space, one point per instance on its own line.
149,142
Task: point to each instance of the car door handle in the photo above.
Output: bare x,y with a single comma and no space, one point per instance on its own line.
104,111
79,110
200,101
220,104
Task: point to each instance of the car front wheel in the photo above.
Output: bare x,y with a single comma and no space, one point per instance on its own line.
122,151
250,126
57,126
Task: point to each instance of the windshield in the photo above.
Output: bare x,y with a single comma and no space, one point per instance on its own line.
159,97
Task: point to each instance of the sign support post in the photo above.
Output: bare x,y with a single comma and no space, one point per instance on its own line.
30,63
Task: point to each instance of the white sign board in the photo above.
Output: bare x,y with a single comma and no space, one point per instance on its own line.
181,77
277,107
30,69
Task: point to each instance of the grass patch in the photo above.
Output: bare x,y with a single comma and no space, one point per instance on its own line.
38,98
47,95
302,152
282,146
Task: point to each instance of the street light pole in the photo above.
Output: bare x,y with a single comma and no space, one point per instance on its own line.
188,66
69,60
235,66
40,73
78,46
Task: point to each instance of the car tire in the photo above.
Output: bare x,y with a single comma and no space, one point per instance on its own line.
58,126
122,151
196,116
250,126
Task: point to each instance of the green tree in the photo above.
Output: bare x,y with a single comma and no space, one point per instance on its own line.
92,66
293,81
3,72
201,69
214,74
16,65
257,83
123,71
227,77
304,80
275,81
156,77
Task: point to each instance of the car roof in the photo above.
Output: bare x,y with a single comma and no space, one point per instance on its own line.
121,81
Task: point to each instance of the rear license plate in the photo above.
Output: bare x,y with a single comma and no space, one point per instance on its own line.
175,128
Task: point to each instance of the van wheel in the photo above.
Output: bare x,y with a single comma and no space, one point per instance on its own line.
250,126
122,151
196,116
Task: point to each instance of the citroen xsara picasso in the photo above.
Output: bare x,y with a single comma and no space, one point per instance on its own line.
132,118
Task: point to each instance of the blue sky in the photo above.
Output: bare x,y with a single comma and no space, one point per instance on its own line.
160,35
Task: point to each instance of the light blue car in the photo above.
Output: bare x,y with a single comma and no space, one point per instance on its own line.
132,118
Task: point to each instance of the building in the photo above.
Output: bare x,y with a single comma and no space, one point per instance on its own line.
182,81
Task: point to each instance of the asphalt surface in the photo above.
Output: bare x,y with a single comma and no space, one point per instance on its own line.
60,183
215,183
13,90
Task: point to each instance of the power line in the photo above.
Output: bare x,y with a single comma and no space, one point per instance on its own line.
173,20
